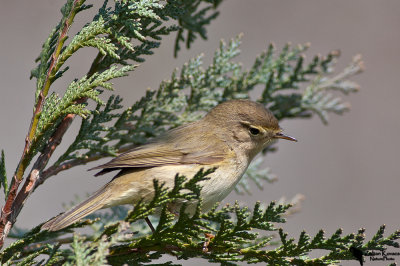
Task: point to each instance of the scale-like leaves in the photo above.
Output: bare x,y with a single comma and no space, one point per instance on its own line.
3,174
124,32
55,107
196,89
224,235
193,16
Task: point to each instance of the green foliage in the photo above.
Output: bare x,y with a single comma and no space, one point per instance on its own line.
255,174
130,22
193,20
56,108
89,137
317,96
3,174
124,32
21,248
89,253
194,90
53,45
224,235
113,32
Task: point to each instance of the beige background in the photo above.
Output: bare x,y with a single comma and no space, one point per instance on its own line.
348,171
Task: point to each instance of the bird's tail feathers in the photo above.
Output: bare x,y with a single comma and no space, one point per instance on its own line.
97,201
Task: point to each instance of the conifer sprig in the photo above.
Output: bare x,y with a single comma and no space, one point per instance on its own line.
195,89
3,173
124,32
225,235
113,32
52,50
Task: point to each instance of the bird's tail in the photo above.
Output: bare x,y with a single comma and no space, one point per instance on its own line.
95,202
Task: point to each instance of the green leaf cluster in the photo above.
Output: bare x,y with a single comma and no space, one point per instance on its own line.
3,173
192,21
255,174
194,90
124,32
226,235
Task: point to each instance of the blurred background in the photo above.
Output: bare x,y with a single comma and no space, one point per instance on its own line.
347,171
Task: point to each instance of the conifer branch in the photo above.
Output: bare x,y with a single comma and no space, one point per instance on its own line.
124,32
111,33
158,108
228,232
31,180
6,219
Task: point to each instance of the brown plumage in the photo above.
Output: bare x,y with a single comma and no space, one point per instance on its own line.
228,138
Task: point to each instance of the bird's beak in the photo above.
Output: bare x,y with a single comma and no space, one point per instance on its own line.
283,136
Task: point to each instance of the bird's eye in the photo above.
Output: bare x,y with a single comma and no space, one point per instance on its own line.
254,131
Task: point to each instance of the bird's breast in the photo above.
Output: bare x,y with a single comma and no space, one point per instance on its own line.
132,185
222,181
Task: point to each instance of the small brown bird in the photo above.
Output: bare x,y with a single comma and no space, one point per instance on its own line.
228,138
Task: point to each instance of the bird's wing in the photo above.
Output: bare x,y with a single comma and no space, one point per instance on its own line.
196,149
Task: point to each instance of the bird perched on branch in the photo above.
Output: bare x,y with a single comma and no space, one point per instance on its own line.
227,138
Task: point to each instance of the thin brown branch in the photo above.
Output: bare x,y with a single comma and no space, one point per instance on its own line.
55,169
170,249
35,178
14,201
7,217
36,246
5,223
67,240
41,162
128,250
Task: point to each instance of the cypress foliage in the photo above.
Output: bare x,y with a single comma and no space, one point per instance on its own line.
124,32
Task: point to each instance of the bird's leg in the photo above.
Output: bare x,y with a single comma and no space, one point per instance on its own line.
149,224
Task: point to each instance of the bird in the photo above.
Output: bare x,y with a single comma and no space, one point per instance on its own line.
227,138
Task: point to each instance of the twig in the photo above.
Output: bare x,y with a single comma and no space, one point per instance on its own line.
41,162
55,169
35,246
356,67
7,217
150,224
164,248
61,241
34,178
